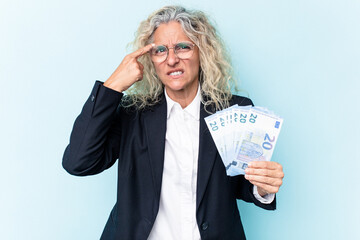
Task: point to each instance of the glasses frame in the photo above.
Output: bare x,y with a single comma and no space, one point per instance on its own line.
168,49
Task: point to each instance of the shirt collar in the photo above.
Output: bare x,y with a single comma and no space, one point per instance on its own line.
193,108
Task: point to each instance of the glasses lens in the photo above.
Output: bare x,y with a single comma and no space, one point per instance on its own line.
184,50
158,53
159,50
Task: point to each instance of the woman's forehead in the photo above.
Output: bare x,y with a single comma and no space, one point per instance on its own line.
169,34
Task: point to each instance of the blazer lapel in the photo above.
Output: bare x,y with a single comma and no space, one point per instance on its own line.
207,154
155,127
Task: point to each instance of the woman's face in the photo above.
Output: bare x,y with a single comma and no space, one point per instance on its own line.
180,76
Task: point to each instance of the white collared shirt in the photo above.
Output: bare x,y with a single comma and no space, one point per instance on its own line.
176,219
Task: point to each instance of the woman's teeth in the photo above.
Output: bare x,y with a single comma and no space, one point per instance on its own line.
175,73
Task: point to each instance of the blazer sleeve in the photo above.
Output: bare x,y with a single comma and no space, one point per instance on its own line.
95,137
245,193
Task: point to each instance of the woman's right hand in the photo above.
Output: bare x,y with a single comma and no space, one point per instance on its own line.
129,71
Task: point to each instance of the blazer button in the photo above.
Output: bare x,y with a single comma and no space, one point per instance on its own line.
92,98
205,226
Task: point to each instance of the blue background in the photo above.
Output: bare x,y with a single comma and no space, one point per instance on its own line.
300,58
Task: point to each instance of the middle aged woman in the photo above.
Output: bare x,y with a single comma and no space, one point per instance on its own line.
172,183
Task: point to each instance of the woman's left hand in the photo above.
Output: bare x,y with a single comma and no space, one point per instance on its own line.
266,175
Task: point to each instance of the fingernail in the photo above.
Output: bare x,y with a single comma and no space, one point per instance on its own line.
153,44
249,164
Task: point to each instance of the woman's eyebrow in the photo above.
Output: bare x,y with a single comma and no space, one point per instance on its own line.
184,41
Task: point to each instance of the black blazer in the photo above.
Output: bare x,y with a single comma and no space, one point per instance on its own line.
105,132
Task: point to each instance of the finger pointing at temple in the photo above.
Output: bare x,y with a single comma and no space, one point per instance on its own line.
129,71
142,51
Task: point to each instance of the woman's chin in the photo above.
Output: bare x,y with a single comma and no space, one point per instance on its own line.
180,86
175,87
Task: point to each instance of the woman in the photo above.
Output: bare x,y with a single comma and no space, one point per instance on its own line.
172,183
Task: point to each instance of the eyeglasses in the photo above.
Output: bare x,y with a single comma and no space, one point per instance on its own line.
182,50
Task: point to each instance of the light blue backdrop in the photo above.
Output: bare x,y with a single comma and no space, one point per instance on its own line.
300,58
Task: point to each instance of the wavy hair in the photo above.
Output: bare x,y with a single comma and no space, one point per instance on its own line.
215,73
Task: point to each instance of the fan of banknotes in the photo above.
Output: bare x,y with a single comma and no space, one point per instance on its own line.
243,134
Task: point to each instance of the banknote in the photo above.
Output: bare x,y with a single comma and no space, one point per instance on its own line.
243,134
213,125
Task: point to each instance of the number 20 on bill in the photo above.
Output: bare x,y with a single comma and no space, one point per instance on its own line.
267,142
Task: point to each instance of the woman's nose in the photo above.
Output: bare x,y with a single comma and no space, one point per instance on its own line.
172,58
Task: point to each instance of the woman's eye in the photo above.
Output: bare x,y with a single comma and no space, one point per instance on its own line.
183,46
160,50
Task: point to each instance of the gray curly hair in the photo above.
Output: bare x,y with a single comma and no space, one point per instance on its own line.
215,69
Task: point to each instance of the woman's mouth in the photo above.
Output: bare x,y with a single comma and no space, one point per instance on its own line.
177,73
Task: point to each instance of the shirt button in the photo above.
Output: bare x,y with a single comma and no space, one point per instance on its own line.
92,98
205,226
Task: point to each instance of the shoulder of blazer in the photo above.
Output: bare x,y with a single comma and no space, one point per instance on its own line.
133,110
235,99
241,101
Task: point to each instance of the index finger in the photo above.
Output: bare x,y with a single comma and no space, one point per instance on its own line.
142,51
